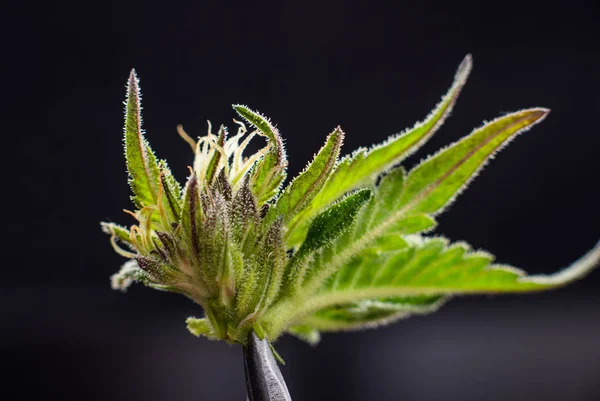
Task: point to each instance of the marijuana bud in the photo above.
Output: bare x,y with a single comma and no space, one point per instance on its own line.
340,247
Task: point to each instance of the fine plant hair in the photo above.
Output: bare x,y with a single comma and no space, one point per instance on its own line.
345,245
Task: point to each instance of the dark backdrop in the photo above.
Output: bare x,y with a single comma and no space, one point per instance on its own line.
374,68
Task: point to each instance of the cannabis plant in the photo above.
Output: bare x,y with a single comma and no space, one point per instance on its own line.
342,246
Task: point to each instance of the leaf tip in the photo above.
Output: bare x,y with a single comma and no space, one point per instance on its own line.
542,112
364,195
133,81
339,136
579,269
243,110
536,115
464,69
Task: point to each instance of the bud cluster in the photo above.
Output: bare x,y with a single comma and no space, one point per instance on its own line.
207,240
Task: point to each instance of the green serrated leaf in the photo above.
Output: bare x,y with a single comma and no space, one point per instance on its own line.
413,224
436,181
429,267
429,186
325,228
371,313
387,196
301,191
141,161
363,167
331,223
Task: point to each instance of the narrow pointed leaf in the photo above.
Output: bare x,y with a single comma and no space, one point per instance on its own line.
121,233
436,181
269,173
191,215
244,212
141,161
269,176
363,167
300,192
169,195
261,123
222,186
272,264
249,291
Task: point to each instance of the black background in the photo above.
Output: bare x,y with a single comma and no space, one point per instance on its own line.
374,68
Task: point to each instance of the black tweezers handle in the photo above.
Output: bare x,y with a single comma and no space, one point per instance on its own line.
264,381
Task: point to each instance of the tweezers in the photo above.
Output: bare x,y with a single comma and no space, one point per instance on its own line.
264,381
